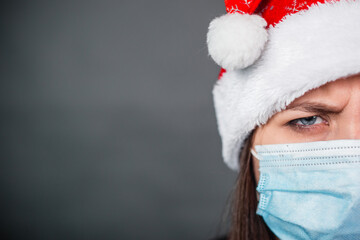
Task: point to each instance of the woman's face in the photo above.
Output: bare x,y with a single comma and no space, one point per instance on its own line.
329,112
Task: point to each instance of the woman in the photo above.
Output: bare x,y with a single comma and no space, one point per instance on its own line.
288,109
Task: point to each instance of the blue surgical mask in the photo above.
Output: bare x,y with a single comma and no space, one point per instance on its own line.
310,190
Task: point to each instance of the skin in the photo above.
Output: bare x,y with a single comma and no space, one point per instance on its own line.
329,112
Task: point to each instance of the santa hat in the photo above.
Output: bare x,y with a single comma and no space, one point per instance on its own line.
272,52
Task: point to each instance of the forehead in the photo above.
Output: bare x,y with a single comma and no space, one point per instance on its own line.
338,91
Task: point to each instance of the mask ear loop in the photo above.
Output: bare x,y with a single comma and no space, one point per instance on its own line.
255,154
257,157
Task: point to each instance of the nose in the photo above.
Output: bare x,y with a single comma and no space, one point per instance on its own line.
348,126
349,129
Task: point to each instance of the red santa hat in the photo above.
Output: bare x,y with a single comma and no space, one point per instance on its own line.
272,52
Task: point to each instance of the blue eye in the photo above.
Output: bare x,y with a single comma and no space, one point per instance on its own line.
307,121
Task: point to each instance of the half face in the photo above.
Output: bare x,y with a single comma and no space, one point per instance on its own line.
329,112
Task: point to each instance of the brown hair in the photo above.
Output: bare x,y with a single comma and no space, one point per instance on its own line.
246,224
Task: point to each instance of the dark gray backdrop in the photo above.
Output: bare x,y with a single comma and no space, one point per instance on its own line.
108,129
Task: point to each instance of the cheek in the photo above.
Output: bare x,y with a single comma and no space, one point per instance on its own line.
272,135
278,135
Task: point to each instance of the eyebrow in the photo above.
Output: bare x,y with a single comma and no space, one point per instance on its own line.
315,107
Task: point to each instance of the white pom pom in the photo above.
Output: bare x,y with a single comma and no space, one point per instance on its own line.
235,41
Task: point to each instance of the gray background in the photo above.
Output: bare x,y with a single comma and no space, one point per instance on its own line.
108,129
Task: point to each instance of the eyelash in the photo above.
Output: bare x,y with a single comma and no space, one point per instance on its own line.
303,127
